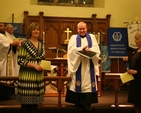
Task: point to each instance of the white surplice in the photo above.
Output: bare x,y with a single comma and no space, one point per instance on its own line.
74,61
15,66
4,48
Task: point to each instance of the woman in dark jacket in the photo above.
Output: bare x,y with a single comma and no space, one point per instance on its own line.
134,95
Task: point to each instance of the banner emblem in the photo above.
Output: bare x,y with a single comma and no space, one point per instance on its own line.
132,29
117,36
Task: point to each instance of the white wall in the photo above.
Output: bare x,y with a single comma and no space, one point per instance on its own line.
120,10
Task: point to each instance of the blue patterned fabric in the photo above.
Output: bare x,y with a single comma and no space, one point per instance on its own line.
106,61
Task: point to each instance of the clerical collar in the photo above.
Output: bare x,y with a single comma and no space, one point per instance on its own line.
82,36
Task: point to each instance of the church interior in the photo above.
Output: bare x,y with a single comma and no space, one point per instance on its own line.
58,24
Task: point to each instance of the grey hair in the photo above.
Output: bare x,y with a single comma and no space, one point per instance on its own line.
81,23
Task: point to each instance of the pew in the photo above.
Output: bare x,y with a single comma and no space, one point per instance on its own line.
59,79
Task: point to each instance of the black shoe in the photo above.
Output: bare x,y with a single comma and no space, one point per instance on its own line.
88,109
2,98
79,106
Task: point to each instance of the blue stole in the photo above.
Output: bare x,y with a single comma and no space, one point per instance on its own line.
92,71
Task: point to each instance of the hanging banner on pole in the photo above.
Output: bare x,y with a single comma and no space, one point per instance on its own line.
132,29
117,42
106,61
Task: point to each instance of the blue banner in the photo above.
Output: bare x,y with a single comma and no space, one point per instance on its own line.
106,61
117,42
17,27
18,30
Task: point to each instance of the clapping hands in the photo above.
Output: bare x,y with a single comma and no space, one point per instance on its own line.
86,48
17,43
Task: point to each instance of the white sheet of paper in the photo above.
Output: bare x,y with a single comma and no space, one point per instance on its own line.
53,67
126,77
46,65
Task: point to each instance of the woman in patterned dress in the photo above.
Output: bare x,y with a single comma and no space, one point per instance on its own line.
31,75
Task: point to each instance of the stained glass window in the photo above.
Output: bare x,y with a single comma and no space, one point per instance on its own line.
91,2
65,1
68,2
49,1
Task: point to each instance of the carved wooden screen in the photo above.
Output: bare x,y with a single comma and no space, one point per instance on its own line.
54,28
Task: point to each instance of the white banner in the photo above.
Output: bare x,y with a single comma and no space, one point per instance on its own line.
132,28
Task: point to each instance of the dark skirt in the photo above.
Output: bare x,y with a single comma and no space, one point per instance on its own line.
87,98
134,95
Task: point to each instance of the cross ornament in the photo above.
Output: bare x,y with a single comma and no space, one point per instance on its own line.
136,18
68,32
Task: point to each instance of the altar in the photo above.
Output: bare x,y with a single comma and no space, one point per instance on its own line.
61,63
62,71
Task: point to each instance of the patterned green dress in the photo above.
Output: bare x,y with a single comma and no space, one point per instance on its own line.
31,81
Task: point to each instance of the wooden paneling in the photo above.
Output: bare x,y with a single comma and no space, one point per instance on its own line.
55,35
101,25
54,28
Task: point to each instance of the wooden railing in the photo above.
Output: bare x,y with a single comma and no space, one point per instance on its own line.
59,79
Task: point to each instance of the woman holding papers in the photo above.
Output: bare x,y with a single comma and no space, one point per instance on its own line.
31,76
82,90
134,95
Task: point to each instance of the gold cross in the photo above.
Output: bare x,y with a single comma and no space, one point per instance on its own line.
136,18
68,31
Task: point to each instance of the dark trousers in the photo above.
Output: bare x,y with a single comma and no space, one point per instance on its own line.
29,108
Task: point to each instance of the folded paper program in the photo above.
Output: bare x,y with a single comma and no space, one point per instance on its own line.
46,65
126,77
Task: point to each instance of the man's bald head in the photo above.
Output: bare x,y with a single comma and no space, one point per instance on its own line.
82,28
